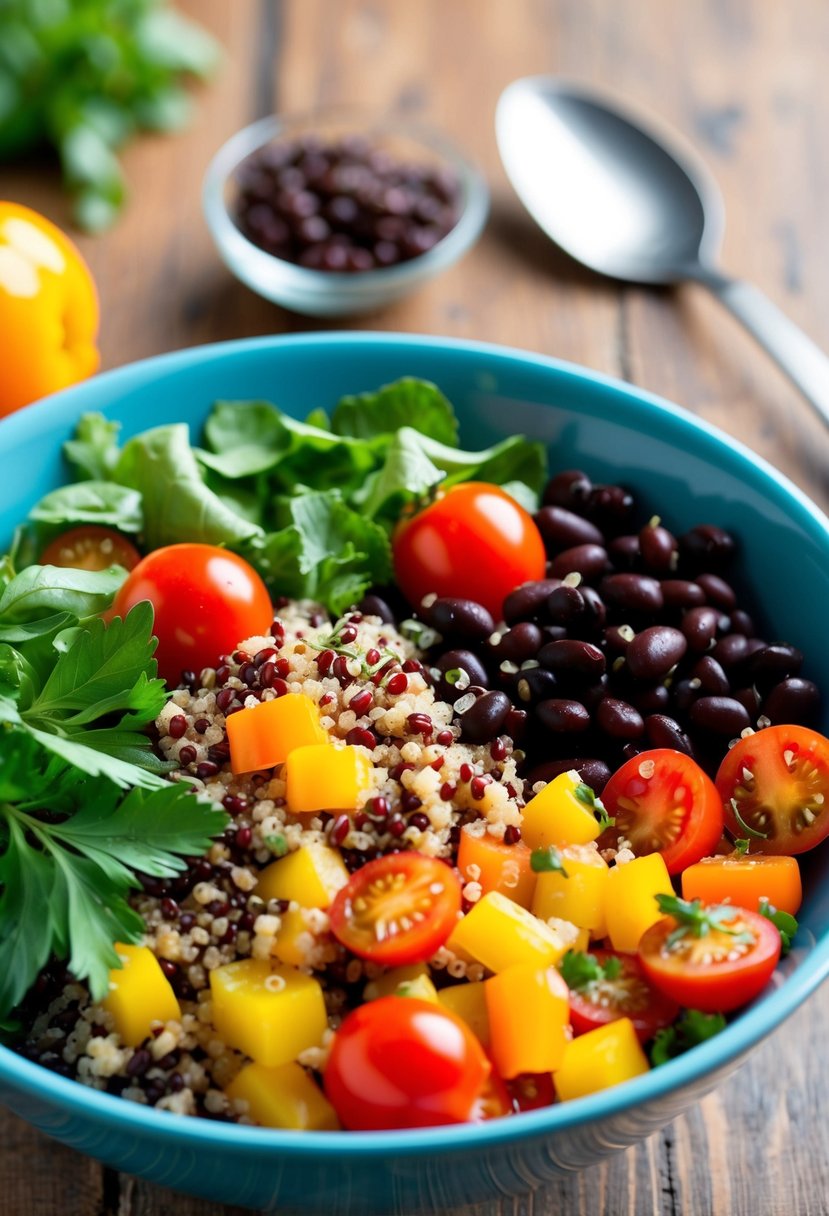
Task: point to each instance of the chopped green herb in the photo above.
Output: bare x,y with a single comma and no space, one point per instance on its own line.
691,1028
580,970
784,922
547,861
747,828
741,846
277,844
587,797
694,921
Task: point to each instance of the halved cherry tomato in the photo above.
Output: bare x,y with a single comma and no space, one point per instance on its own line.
778,781
745,880
90,547
475,542
206,601
397,909
401,1062
717,970
628,995
664,803
531,1091
494,1101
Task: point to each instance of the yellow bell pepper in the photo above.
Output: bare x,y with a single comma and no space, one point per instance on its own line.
529,1016
599,1059
325,778
389,983
631,906
500,934
468,1001
269,1012
283,1096
139,994
556,816
311,875
578,898
289,944
266,734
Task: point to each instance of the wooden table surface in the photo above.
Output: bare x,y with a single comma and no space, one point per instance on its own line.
746,80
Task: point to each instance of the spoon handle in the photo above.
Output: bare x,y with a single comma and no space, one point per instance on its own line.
798,356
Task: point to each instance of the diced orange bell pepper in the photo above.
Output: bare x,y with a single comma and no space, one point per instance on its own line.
326,778
283,1096
500,933
499,867
745,881
630,899
139,994
599,1059
529,1013
557,816
266,734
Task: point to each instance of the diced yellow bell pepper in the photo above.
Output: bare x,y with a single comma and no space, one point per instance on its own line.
468,1001
139,994
269,1012
284,1096
599,1059
291,939
529,1014
312,875
266,734
326,778
421,988
388,983
500,933
631,905
556,816
580,897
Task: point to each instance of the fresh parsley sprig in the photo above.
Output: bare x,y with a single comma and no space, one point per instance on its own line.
694,920
784,922
547,861
580,970
691,1028
587,797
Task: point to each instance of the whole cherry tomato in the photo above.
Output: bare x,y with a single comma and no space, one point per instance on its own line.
475,542
48,309
403,1062
90,547
206,601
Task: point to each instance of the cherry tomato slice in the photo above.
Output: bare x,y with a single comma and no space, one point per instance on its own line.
206,601
629,995
717,972
778,781
397,909
401,1062
745,880
90,547
531,1091
475,542
664,803
494,1101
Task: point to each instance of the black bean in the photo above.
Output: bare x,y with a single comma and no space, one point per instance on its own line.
720,715
458,618
653,700
750,699
138,1062
731,650
375,605
793,701
772,664
610,507
529,602
700,625
564,604
618,719
562,529
658,547
635,593
711,676
684,693
570,488
707,547
589,561
681,593
485,719
594,616
534,684
717,591
741,622
560,714
663,731
592,695
515,723
466,661
624,552
617,638
654,651
518,644
593,771
571,659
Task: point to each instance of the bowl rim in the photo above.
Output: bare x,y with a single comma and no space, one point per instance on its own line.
303,282
718,1053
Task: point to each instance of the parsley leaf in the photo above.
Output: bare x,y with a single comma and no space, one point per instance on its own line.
691,1028
695,921
580,970
586,796
784,922
547,861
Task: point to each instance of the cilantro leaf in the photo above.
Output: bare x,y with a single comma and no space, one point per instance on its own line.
586,796
694,920
691,1028
580,970
784,922
547,861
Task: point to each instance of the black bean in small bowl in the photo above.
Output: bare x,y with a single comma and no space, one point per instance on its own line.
335,213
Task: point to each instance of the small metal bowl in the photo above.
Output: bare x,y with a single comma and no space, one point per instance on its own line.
324,293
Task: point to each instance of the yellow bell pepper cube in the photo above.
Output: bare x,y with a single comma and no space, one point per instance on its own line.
578,898
468,1001
631,906
311,875
500,934
284,1096
139,994
292,938
326,778
388,983
266,734
529,1017
269,1012
557,816
599,1059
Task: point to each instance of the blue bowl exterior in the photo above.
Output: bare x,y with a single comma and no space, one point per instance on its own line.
681,467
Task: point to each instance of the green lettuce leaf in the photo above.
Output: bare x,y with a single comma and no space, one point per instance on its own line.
407,402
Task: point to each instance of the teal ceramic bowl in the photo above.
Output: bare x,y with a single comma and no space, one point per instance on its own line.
680,467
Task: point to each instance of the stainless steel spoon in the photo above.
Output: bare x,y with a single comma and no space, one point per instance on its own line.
635,203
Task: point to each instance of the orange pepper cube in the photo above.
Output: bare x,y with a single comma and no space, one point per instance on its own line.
630,899
529,1016
556,815
326,778
580,897
500,933
266,734
601,1058
269,1012
283,1096
139,994
497,866
310,876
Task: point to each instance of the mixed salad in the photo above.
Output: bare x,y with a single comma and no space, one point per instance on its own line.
351,779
